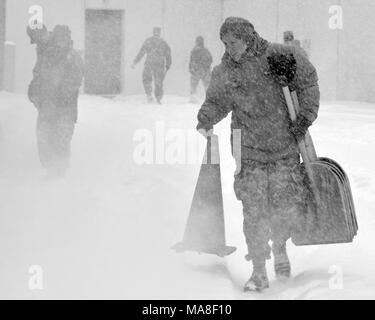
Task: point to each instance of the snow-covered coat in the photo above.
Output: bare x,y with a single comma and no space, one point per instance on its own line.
158,53
200,61
256,100
60,77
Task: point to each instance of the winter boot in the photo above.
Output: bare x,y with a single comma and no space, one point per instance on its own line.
150,99
282,263
258,280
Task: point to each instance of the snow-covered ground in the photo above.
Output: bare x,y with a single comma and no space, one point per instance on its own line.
106,230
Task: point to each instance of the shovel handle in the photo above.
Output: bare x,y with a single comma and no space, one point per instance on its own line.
308,139
293,117
301,144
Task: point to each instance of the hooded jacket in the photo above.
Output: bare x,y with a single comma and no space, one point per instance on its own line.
200,59
61,73
248,90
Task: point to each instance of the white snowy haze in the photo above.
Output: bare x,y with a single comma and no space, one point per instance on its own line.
106,230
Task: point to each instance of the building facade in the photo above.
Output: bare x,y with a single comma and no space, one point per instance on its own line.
109,34
2,41
342,51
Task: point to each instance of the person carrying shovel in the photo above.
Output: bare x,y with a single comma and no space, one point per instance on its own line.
268,181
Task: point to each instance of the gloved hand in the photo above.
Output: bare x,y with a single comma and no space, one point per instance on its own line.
299,127
206,132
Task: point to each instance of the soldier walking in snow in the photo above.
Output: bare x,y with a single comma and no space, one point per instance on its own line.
269,182
158,61
199,67
54,91
289,40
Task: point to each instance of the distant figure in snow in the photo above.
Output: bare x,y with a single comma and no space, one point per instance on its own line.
39,37
290,41
54,91
268,179
199,67
158,61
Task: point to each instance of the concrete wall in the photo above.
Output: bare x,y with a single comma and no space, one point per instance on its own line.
2,40
69,12
9,66
357,51
344,58
309,20
182,22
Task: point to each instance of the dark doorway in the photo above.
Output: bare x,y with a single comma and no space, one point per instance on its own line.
103,52
2,41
